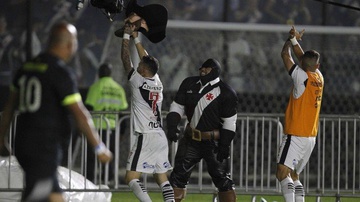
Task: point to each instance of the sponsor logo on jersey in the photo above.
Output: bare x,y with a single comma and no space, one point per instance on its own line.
156,124
147,87
147,165
166,165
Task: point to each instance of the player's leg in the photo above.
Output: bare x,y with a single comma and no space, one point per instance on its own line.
132,179
285,164
220,175
134,167
187,156
56,197
162,165
299,189
287,184
166,188
307,144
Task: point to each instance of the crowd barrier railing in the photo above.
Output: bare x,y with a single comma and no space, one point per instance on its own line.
333,169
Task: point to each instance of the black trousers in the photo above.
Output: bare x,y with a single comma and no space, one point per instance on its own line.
189,153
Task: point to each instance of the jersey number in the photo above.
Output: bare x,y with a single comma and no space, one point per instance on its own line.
30,94
154,97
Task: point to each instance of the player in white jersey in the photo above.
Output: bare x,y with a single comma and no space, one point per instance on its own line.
149,153
147,100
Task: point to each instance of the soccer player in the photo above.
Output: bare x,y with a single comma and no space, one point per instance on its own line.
44,92
150,151
301,116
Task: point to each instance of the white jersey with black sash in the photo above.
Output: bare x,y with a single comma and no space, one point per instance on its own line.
146,101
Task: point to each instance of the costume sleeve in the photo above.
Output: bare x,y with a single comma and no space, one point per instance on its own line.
228,117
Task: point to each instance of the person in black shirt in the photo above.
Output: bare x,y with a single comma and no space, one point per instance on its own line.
44,91
209,105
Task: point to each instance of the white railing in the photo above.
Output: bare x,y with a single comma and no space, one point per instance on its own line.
333,169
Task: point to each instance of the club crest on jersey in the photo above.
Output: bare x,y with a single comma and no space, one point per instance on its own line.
209,96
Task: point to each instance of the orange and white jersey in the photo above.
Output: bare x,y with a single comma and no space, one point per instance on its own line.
303,110
146,101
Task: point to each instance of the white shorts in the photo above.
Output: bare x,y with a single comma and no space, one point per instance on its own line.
149,154
295,152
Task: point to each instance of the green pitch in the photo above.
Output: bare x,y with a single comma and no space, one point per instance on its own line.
157,197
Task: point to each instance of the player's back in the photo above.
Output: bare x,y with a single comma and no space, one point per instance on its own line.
44,84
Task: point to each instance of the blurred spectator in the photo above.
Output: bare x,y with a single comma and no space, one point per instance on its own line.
184,9
88,57
239,59
277,12
36,45
300,14
64,10
250,13
174,66
6,50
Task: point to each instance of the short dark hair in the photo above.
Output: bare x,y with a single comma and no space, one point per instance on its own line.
311,58
105,70
151,63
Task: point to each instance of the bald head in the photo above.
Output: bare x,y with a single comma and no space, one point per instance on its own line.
63,40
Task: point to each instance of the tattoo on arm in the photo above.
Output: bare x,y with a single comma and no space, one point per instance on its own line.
286,55
125,55
286,48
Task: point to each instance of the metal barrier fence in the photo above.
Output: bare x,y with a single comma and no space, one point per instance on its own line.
333,169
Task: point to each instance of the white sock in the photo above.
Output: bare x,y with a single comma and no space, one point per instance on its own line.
139,190
287,188
299,191
167,191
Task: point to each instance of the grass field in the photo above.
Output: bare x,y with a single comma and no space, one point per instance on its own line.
156,197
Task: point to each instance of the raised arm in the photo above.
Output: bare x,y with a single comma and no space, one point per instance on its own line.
286,55
294,37
139,47
125,48
292,43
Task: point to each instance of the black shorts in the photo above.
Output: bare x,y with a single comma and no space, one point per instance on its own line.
39,154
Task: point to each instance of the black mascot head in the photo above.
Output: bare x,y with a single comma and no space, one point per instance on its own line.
156,17
215,70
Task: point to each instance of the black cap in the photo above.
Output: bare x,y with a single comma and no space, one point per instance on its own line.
156,17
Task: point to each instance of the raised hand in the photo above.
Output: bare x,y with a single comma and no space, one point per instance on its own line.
293,32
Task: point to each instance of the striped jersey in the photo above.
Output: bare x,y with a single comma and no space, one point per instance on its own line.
146,101
303,110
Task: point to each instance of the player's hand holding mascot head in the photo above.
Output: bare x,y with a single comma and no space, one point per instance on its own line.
150,20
